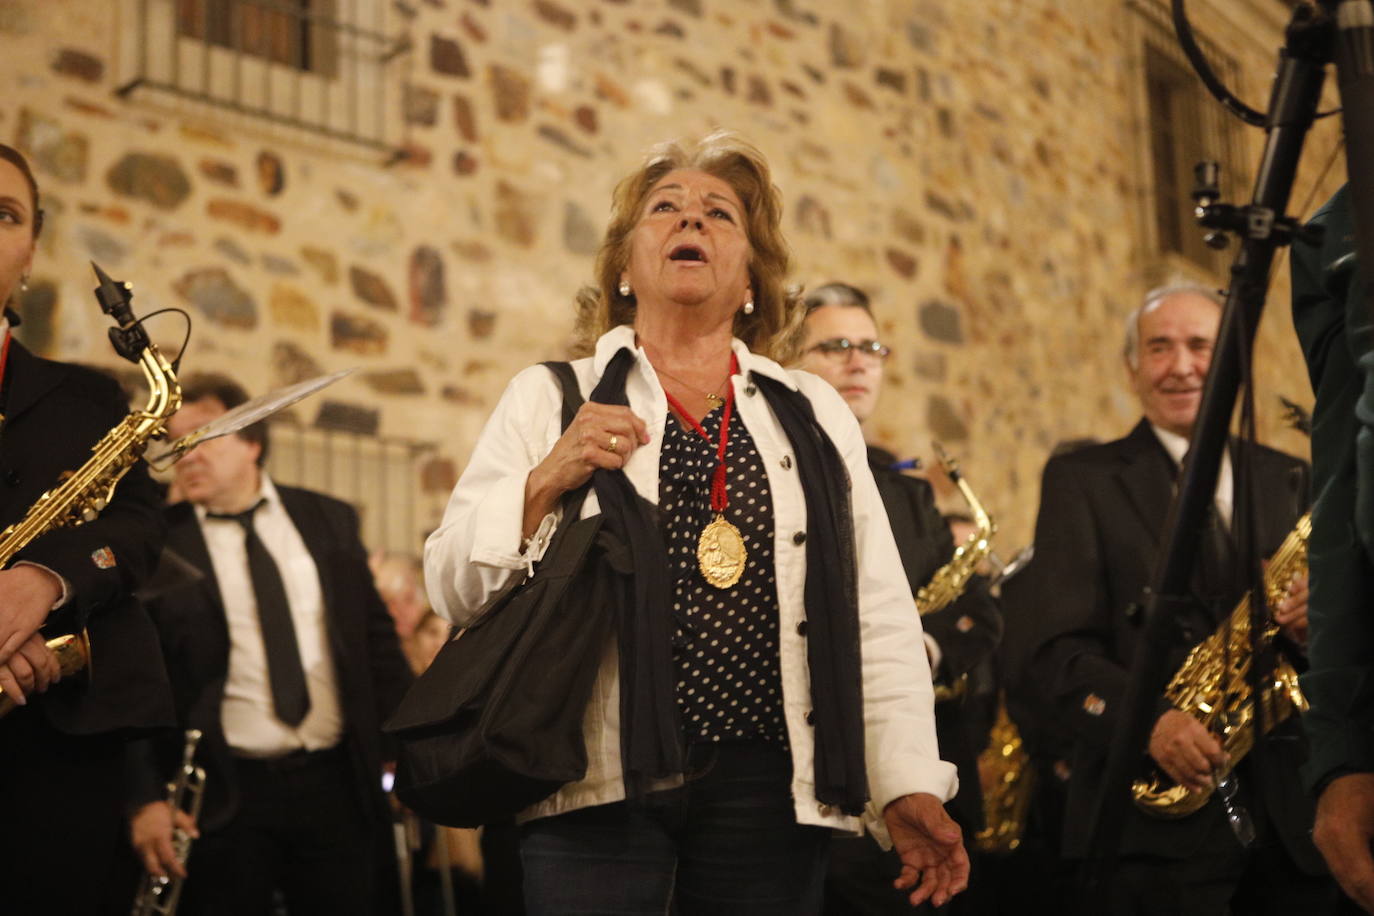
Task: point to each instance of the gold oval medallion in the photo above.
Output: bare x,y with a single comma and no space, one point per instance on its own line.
720,553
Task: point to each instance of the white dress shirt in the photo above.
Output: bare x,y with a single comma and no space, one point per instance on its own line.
477,550
1177,447
251,726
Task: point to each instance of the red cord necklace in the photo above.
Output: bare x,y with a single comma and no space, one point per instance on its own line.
720,548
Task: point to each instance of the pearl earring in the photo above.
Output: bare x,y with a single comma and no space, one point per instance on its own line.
624,287
24,283
749,306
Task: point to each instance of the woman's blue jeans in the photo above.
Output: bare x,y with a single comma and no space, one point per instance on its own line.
727,841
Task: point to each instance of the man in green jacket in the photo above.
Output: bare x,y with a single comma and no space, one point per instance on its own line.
1336,330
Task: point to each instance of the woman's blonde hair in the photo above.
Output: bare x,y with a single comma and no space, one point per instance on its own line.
772,327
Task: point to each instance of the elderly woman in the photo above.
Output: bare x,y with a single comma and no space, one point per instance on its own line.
798,698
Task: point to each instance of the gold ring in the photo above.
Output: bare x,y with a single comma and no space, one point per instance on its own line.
614,441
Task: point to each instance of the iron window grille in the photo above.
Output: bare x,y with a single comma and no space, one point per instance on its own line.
1184,126
321,66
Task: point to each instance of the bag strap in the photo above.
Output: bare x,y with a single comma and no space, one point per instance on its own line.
572,392
572,402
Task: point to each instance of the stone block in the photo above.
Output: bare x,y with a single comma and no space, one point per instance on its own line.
371,288
846,50
561,140
291,364
356,334
78,65
219,171
348,418
941,322
52,148
271,173
102,247
245,216
463,119
555,15
421,106
510,92
446,57
428,292
464,163
585,117
276,264
515,217
291,308
233,251
902,262
580,235
481,323
322,262
215,294
943,421
404,382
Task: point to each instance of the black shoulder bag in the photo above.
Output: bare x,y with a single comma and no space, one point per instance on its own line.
495,723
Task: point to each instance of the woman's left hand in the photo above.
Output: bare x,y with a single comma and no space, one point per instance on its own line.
931,847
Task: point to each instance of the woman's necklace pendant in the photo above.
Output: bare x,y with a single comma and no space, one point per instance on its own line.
714,400
720,553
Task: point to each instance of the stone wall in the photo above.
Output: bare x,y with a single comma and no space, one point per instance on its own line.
974,165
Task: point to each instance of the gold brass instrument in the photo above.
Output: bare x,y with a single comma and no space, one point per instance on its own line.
1008,784
950,580
81,495
160,896
1212,685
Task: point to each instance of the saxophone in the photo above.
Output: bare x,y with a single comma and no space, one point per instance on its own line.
1212,685
950,580
81,495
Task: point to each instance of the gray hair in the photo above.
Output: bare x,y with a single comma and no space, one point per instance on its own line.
1131,344
837,294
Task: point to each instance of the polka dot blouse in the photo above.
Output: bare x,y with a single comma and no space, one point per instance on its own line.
725,642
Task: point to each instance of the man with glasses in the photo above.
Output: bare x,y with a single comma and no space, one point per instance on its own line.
841,346
1102,514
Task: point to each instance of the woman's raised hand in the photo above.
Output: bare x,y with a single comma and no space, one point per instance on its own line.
600,436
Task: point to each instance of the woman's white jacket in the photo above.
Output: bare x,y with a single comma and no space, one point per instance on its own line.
476,551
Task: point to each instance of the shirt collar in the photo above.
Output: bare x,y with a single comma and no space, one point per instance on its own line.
1173,443
267,492
624,336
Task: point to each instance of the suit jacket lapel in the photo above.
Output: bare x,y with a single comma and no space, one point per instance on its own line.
183,530
315,535
28,378
1147,476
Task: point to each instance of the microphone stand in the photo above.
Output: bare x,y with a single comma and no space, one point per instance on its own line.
1262,227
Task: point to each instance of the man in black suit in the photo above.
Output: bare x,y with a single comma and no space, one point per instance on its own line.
284,656
841,345
61,751
1097,542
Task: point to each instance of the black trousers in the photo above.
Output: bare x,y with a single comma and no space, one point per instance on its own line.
298,830
63,847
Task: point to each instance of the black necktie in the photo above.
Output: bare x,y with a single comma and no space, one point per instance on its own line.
290,698
1217,563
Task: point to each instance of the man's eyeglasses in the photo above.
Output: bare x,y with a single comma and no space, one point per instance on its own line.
839,348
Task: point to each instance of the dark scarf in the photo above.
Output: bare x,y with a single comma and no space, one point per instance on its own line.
650,734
